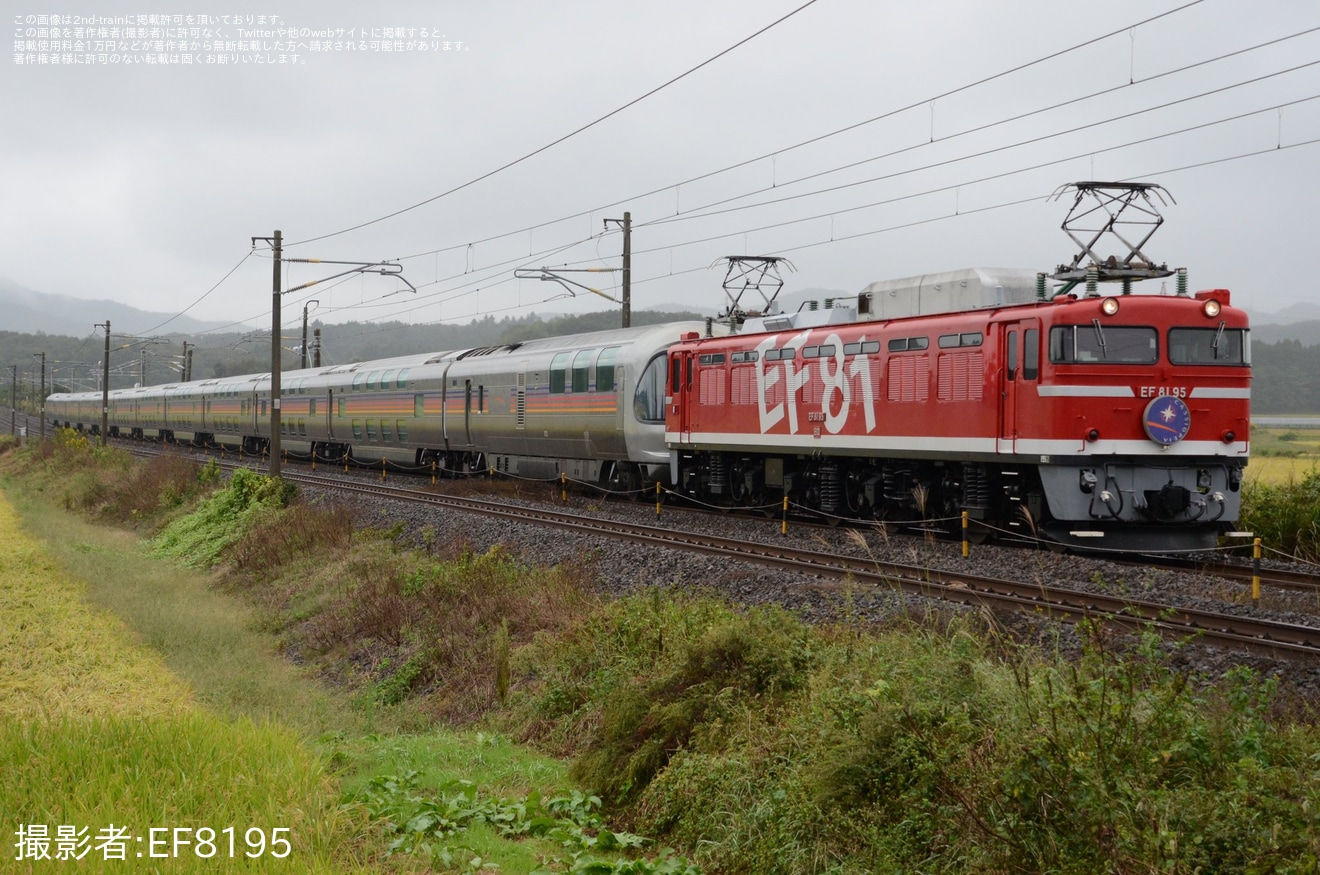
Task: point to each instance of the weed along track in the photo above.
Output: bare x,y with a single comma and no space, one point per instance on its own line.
759,699
1267,636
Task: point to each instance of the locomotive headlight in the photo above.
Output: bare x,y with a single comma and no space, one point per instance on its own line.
1109,306
1210,308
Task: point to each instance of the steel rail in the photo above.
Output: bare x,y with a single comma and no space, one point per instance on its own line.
1271,637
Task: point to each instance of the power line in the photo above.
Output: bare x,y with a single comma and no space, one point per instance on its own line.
570,135
846,129
695,211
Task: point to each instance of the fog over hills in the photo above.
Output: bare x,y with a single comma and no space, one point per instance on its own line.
26,311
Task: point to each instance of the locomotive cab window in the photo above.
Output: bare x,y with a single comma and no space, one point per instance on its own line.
1209,346
1030,353
1103,344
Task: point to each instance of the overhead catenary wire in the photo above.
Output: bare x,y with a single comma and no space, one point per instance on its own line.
568,136
849,128
485,279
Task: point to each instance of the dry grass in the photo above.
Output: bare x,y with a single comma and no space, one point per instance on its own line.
58,656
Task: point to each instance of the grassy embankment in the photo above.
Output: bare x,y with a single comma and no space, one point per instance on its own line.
137,695
752,741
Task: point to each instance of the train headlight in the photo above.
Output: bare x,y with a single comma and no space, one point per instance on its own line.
1109,306
1210,308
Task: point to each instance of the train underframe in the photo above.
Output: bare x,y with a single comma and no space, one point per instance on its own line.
1123,506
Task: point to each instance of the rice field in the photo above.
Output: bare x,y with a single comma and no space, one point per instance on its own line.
108,758
1283,454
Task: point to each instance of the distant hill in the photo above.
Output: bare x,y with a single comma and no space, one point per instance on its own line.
25,311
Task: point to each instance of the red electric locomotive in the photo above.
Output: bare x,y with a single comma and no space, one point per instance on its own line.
1101,421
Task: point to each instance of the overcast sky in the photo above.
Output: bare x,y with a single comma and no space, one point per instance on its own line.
144,183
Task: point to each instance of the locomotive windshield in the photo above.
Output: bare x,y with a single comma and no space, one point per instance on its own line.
1098,344
1209,346
649,399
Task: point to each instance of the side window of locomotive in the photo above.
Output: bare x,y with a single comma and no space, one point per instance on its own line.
1011,358
904,344
1100,344
559,373
605,369
582,370
1031,354
649,397
1209,346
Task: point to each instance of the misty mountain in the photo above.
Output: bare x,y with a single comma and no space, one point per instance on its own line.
1299,322
25,311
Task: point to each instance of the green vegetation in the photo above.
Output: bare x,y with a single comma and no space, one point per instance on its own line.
1285,515
95,733
744,738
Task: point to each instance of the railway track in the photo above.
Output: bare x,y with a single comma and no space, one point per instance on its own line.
1264,636
1269,637
1280,578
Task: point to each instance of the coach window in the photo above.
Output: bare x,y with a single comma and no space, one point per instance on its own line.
605,369
582,370
358,379
558,373
386,379
649,398
371,380
402,382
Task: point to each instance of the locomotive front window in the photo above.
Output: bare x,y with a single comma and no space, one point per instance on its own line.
1209,346
649,397
1101,344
